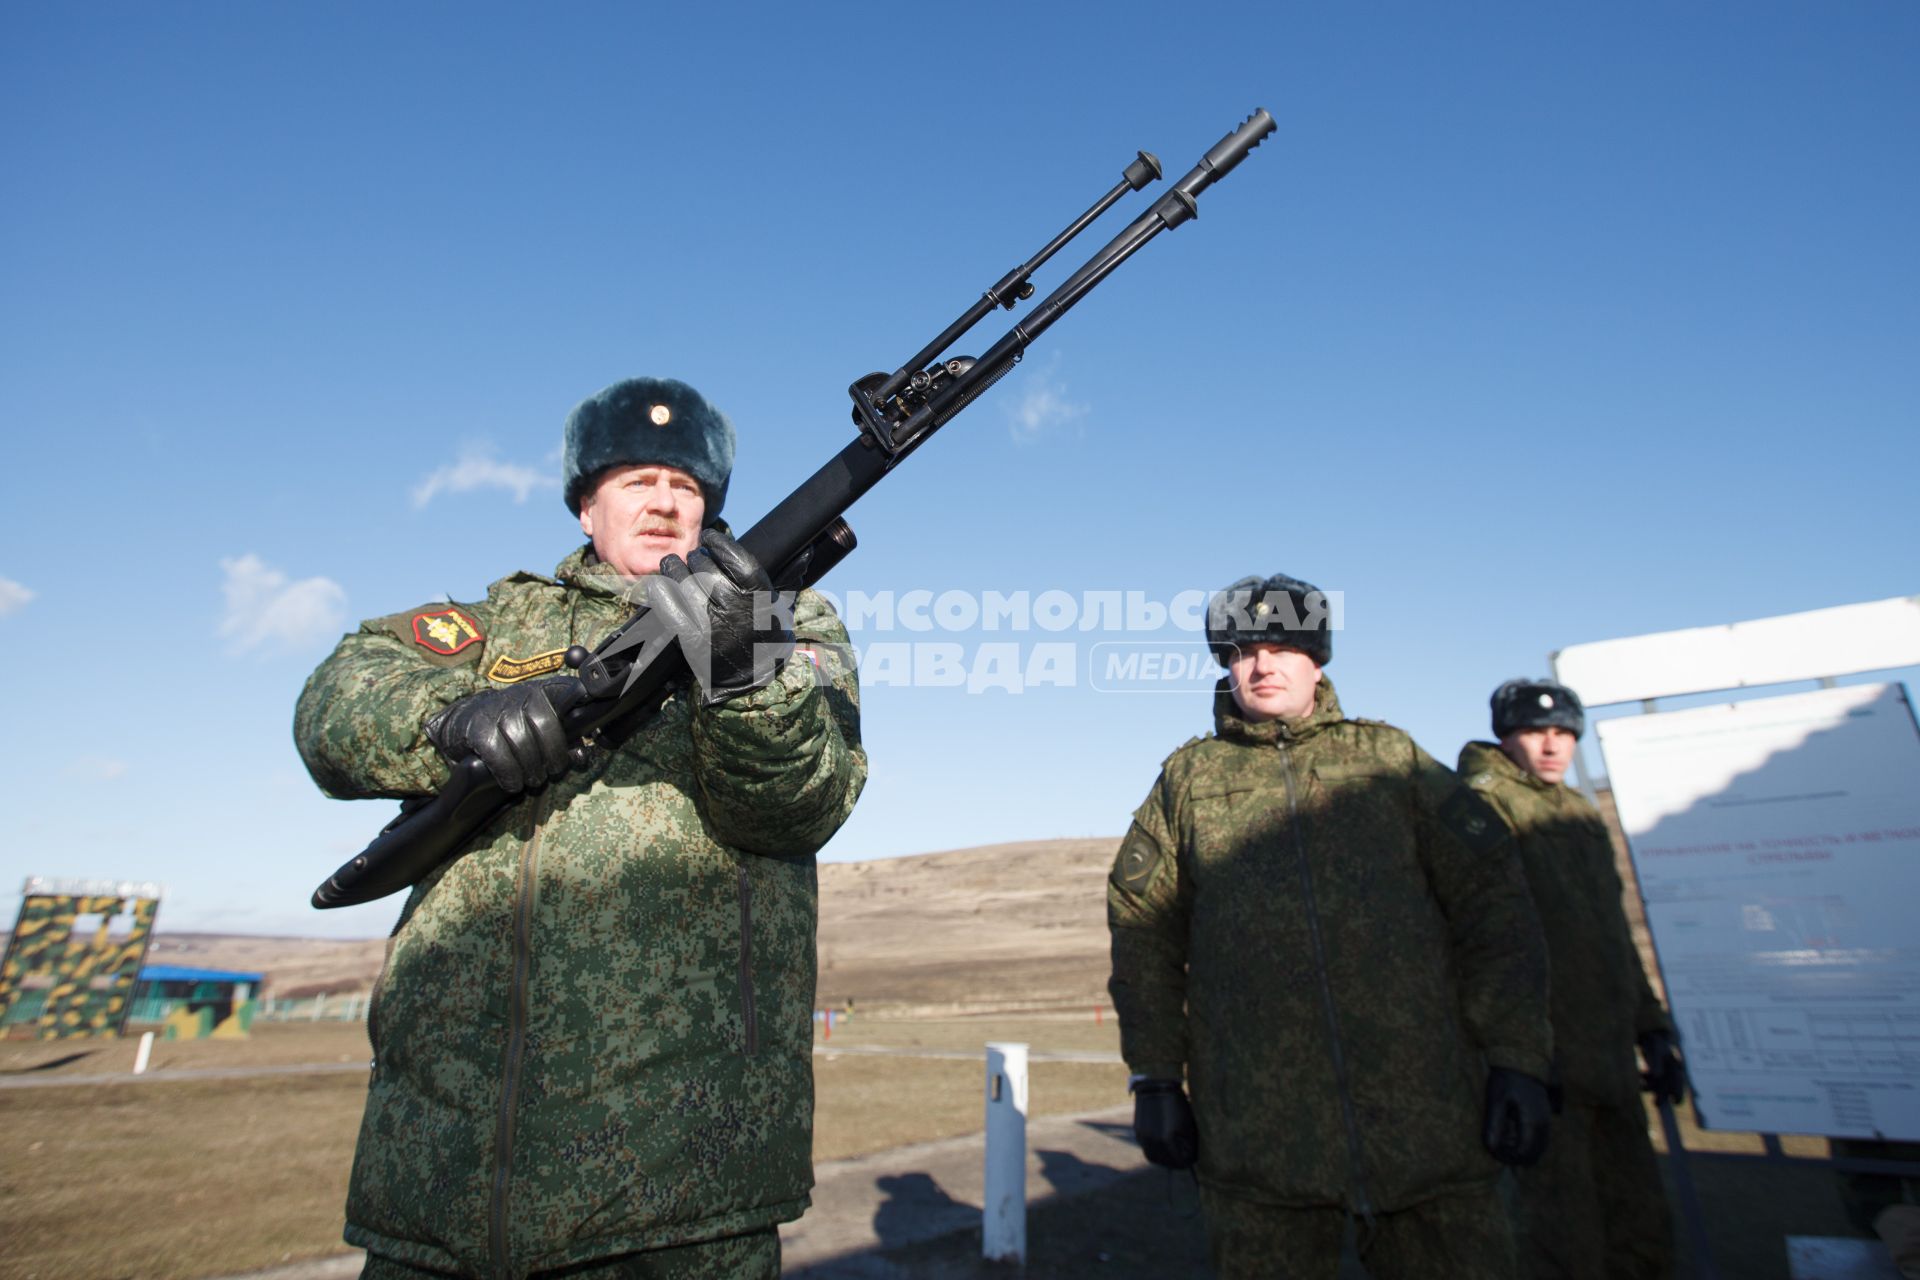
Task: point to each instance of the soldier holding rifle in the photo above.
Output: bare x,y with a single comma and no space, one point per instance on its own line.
591,1036
593,1033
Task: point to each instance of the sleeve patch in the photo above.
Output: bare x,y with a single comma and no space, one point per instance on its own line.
507,670
1472,822
444,631
1138,859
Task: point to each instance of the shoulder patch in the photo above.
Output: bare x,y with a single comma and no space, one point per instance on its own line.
1481,781
444,631
506,670
1472,821
1136,863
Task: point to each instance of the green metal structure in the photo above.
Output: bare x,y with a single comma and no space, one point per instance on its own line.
73,957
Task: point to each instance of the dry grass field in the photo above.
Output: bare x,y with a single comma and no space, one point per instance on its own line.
212,1176
938,954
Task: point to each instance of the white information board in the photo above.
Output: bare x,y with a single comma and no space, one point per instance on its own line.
1777,844
1850,638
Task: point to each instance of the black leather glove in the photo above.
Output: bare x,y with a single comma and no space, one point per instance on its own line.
720,603
1518,1115
1163,1124
515,731
1665,1076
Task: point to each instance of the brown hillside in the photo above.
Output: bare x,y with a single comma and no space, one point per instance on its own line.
1009,926
295,967
1003,926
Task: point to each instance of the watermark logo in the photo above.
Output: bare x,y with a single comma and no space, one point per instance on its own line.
1113,641
1152,666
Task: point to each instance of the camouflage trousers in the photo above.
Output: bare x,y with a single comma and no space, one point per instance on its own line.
1593,1208
753,1256
1460,1236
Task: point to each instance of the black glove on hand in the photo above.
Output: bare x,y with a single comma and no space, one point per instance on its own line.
1518,1114
732,629
1163,1124
1665,1076
515,731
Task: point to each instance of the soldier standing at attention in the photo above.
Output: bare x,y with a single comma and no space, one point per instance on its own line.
1328,937
593,1034
1594,1207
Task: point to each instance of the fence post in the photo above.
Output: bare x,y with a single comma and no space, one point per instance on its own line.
1003,1227
319,1003
145,1051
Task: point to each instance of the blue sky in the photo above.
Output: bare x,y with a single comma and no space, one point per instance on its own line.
1531,325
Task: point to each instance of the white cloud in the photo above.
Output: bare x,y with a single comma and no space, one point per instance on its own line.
13,596
96,768
265,611
1044,406
479,469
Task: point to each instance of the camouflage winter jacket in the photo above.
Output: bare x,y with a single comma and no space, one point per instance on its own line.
1601,1000
1331,937
593,1033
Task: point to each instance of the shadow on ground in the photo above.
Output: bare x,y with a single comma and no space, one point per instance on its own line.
51,1064
1134,1225
1145,1225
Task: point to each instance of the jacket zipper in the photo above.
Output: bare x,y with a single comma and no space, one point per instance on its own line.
523,904
1359,1174
746,962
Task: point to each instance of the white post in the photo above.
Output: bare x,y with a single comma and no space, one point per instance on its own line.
146,1051
319,1003
1003,1227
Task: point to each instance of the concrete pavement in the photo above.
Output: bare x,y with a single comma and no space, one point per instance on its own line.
870,1204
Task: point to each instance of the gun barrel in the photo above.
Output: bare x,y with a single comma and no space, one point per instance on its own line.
1226,153
1179,204
1013,287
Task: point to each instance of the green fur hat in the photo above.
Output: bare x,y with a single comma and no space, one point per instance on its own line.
648,421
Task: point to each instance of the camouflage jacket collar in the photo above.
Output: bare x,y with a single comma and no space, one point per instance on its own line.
1230,724
1487,757
585,571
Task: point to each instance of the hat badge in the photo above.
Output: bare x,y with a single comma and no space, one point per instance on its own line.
1262,609
1546,699
660,414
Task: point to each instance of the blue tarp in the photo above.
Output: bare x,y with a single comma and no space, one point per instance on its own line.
177,973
